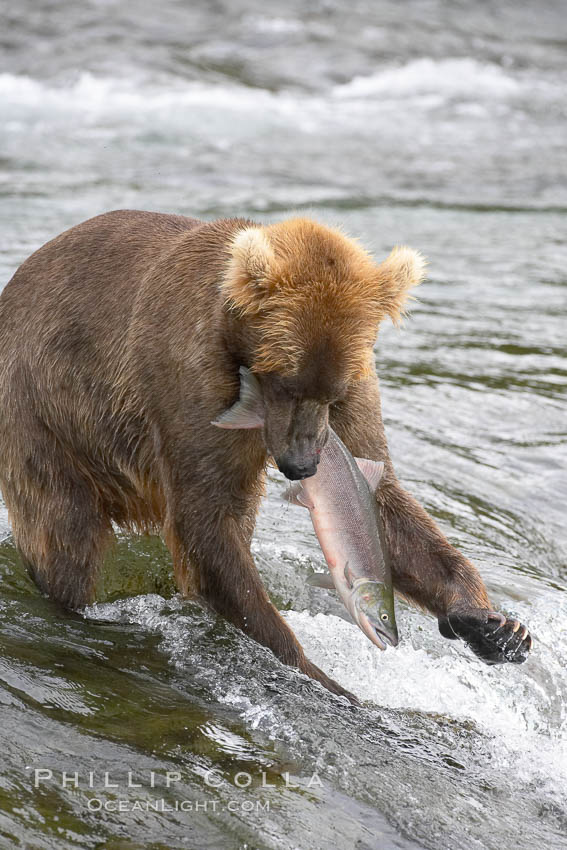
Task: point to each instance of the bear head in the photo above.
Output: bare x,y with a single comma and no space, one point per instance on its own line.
311,300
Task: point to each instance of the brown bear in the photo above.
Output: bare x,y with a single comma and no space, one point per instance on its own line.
121,341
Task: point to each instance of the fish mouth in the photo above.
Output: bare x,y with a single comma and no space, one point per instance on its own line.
379,635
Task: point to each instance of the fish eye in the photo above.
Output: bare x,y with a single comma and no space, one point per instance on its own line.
383,616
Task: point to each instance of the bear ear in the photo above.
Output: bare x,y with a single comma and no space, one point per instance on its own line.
251,269
400,272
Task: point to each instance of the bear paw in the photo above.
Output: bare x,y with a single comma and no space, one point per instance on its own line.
494,638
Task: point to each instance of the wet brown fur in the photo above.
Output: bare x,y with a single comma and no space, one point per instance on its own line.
120,342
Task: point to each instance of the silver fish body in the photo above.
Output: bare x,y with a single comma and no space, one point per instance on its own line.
346,518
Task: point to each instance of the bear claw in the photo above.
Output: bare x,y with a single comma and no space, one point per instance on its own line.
494,638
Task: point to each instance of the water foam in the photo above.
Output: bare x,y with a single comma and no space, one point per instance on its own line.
90,93
446,77
4,521
518,711
427,80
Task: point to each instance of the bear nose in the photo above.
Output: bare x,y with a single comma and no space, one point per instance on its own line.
297,470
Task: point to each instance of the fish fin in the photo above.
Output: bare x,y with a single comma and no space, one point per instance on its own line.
324,580
296,495
248,411
348,576
373,470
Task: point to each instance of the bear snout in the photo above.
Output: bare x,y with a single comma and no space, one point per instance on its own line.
297,468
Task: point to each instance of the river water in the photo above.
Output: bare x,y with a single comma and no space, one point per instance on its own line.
440,125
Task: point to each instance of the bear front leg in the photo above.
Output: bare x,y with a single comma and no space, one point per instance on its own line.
426,569
228,580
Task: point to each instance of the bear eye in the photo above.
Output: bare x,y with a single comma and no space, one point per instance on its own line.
383,616
283,388
277,387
